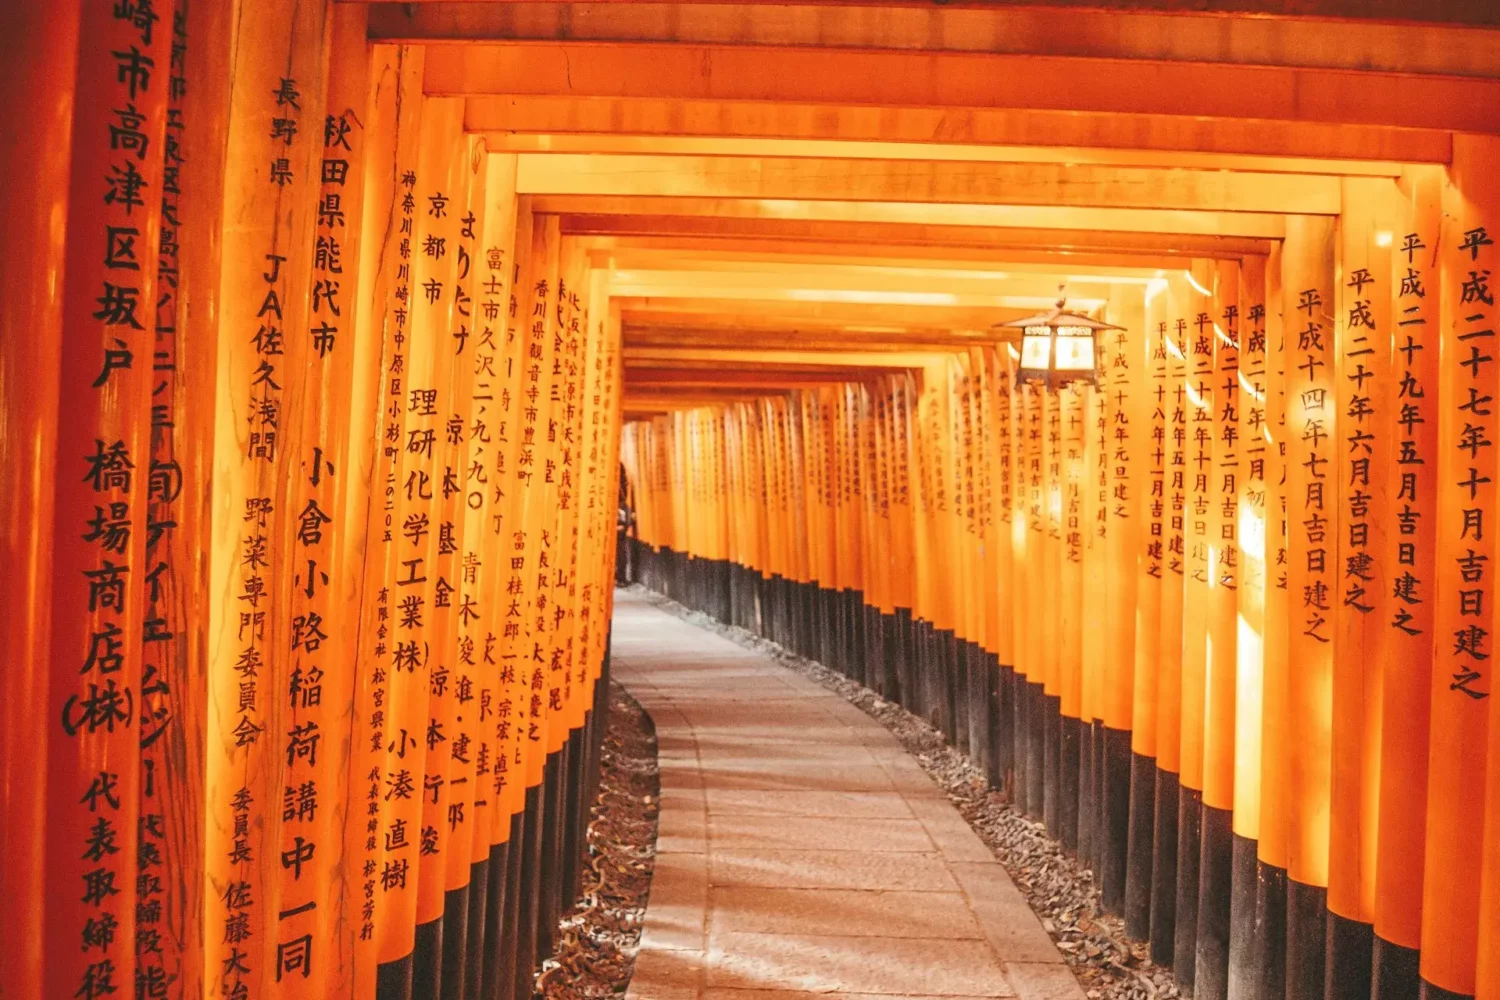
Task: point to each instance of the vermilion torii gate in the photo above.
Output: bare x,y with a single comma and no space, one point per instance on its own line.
327,325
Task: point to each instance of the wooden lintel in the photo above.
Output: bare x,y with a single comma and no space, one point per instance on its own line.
1370,30
1010,127
1252,225
624,251
915,239
924,181
895,79
694,145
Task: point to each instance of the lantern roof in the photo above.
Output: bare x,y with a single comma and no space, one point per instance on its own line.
1058,316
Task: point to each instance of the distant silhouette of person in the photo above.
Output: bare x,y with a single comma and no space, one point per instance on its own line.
626,527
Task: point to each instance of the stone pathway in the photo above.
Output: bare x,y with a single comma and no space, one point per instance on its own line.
802,852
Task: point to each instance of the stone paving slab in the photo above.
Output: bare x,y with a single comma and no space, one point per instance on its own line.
802,853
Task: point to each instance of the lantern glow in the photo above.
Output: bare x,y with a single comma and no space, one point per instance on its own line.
1058,347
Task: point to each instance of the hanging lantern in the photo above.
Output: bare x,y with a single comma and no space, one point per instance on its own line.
1058,347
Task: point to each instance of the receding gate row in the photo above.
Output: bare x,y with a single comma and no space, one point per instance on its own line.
1224,621
310,458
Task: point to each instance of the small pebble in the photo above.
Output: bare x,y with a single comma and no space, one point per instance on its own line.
600,936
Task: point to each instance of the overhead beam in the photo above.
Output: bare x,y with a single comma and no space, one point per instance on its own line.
751,338
1121,28
1019,128
813,284
931,271
725,355
965,80
676,145
713,254
842,318
1192,222
925,181
913,238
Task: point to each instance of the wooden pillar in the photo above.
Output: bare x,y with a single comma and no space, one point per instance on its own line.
380,278
1030,553
278,70
1275,798
1052,620
1072,474
1215,869
1123,485
1463,617
1003,507
1408,424
1250,535
1199,602
40,78
1170,652
101,482
1364,382
495,358
1098,634
1312,498
1151,508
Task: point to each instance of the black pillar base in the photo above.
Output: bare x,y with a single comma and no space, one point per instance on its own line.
1351,947
523,962
1215,898
994,712
1396,971
1036,750
479,896
1138,850
1087,785
498,930
1051,764
962,687
1242,896
1114,826
455,942
1270,931
1306,937
393,979
1189,846
1069,759
1164,870
427,961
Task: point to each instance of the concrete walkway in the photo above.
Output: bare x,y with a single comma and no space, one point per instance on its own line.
802,851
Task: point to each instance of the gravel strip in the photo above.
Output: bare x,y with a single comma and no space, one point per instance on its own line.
599,937
1062,892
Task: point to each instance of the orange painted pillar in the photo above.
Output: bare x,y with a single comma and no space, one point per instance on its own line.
1150,509
1215,868
1313,426
1364,380
380,279
1199,599
1275,800
278,71
486,566
1409,426
1121,484
1250,512
42,79
1170,654
1031,554
1463,618
1072,480
318,546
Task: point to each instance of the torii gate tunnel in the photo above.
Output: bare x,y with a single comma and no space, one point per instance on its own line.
336,337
